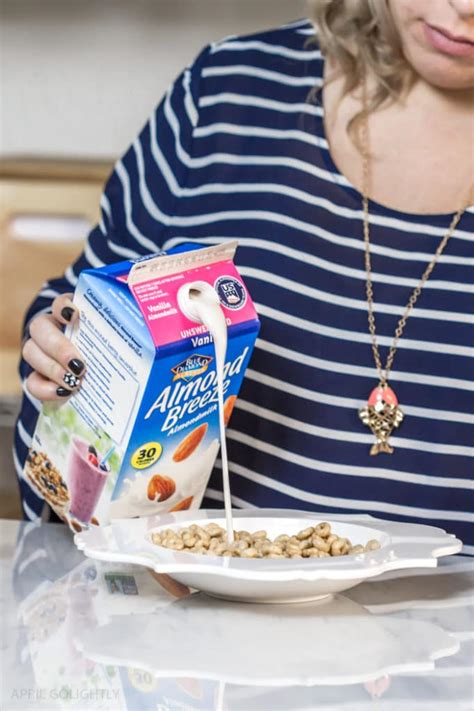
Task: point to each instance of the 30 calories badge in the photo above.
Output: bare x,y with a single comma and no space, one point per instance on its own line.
231,292
146,454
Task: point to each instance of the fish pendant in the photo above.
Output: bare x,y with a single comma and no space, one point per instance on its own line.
382,415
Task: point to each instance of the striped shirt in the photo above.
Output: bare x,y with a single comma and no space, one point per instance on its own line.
236,150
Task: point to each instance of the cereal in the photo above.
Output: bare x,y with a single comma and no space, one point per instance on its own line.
306,533
340,547
322,529
319,543
47,479
312,542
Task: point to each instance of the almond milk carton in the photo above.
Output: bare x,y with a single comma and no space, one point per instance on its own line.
141,435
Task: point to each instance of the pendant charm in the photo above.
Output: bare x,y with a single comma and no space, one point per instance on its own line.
382,415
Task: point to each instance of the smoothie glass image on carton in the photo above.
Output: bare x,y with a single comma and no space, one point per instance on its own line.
86,480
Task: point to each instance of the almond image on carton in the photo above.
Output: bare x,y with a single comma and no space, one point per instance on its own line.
187,477
229,408
190,443
160,488
183,505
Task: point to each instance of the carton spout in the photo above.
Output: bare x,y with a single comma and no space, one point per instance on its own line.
196,299
172,310
199,302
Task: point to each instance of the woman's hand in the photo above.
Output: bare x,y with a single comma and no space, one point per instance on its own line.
58,366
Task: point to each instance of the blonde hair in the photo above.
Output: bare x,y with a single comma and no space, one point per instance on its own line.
360,37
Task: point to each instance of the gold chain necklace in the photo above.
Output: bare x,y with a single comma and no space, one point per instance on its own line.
382,414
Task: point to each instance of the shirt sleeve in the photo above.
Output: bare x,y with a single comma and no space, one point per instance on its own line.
137,205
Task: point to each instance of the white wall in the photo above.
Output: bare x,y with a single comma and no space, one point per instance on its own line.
80,77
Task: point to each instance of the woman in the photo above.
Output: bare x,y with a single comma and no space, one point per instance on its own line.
275,139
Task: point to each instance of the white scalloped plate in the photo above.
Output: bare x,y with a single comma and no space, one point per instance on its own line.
403,546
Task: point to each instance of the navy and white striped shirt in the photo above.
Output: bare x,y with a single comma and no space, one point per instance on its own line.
236,150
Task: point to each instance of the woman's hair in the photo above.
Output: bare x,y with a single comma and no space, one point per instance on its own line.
360,37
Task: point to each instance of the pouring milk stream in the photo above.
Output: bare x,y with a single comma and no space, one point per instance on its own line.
199,302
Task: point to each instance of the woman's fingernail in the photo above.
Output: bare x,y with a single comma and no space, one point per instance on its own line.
63,392
76,365
67,313
71,380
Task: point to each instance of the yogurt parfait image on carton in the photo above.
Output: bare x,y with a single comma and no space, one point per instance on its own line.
141,435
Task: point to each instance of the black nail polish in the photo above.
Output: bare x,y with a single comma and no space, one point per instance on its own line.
67,313
76,365
63,392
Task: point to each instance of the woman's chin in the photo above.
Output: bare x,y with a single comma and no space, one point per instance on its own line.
443,71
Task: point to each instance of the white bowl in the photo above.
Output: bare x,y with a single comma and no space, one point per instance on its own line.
270,580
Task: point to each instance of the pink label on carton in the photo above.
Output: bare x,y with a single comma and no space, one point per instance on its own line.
158,301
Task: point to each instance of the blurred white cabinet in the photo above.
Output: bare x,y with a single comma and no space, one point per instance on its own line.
80,78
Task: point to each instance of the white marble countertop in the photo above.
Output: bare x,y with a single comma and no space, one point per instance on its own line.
79,634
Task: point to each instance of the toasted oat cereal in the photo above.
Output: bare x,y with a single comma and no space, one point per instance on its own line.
311,542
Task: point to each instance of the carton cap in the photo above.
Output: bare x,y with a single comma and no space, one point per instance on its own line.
162,266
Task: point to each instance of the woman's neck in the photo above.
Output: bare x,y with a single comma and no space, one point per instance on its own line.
447,101
421,146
